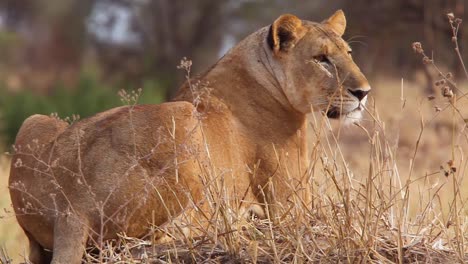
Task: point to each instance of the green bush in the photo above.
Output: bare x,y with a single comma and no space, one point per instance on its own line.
87,98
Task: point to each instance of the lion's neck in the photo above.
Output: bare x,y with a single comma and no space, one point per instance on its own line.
246,83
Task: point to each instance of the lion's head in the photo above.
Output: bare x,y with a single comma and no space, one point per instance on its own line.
316,66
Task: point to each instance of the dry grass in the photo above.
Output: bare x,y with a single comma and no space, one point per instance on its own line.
11,235
377,195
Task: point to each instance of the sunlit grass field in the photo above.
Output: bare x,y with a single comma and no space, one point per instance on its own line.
410,147
425,133
12,237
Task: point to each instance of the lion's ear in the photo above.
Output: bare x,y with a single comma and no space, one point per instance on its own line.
337,22
284,33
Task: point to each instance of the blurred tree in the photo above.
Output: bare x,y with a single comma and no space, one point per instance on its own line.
137,40
52,35
163,32
389,28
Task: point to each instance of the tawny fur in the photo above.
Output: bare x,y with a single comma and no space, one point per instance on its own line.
129,167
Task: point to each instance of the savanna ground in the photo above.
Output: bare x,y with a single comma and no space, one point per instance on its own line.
393,189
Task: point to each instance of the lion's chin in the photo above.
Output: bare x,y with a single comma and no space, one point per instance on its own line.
353,117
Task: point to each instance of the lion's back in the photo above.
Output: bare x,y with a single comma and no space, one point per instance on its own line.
39,129
123,131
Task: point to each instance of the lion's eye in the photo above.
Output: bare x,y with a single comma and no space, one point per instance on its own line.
350,52
322,59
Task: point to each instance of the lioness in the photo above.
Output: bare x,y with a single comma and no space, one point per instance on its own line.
129,167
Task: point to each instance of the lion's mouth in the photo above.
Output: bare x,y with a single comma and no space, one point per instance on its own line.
335,112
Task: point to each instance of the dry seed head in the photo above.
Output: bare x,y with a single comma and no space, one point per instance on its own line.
431,97
18,163
458,20
440,82
185,64
426,60
447,92
54,163
449,75
450,16
417,47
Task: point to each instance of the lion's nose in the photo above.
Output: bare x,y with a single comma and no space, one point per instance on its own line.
359,94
